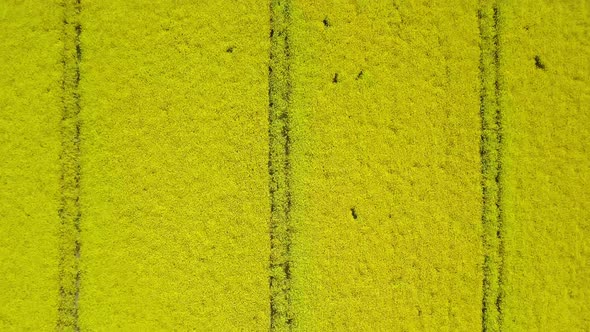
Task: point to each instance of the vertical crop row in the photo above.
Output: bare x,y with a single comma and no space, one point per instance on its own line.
69,274
279,166
491,143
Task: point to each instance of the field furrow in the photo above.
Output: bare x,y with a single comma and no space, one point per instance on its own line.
279,164
491,154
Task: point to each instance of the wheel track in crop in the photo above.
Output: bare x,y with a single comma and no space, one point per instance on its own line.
491,155
69,272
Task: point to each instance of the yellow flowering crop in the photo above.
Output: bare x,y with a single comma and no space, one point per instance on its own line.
293,165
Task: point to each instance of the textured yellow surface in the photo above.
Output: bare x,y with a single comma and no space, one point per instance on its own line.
70,213
386,166
30,143
344,165
491,166
545,92
174,150
279,165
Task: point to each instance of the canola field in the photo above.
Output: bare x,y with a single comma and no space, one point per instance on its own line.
292,165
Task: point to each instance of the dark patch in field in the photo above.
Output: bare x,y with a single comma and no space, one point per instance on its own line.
335,78
360,75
